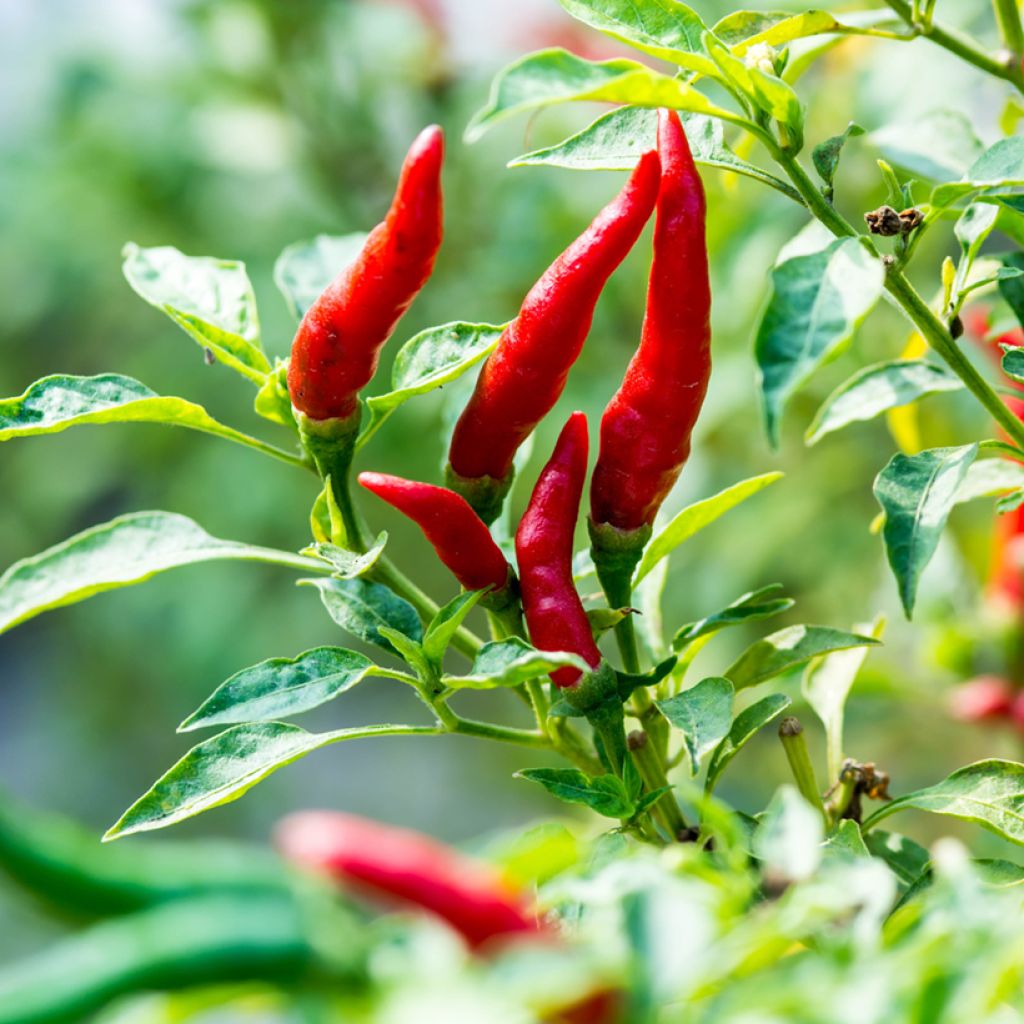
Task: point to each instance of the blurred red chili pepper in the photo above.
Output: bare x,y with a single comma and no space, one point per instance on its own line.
984,698
335,351
454,530
526,373
554,612
398,865
646,428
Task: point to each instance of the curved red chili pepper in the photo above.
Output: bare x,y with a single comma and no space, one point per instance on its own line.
526,373
646,428
554,612
335,351
409,868
454,530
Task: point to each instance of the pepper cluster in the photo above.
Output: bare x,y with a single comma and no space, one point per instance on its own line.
645,430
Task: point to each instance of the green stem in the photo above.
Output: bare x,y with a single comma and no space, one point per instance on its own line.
791,732
652,771
1010,28
962,46
230,434
506,734
924,318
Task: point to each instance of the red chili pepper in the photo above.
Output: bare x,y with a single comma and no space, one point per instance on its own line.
335,351
646,428
409,868
454,530
554,612
526,373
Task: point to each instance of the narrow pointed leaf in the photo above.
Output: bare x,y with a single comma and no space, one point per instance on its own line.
446,623
744,727
989,478
281,687
916,493
703,714
606,794
553,76
56,403
511,662
877,389
126,550
666,29
758,604
226,766
999,168
695,517
427,361
210,299
826,154
362,607
617,140
785,650
989,793
818,300
345,564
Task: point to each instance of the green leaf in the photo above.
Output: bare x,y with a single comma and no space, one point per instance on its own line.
973,227
989,793
743,29
305,269
411,652
281,687
695,517
363,607
345,564
746,608
765,90
916,493
617,140
1013,362
55,403
703,714
605,794
846,841
666,29
427,361
445,625
988,478
1000,167
745,726
940,145
826,154
818,300
876,389
826,685
553,76
788,837
210,299
906,859
1012,291
511,662
786,649
126,550
226,766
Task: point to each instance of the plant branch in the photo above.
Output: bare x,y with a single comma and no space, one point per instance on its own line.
963,46
1010,28
924,318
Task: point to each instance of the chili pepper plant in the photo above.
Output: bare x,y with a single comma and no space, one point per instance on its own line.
675,905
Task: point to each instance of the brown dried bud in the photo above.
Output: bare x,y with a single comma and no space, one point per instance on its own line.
884,221
910,219
636,740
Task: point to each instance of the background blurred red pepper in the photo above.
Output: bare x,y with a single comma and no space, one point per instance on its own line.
522,379
454,530
398,865
544,543
645,430
338,343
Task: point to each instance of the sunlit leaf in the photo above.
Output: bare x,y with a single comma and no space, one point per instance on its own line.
745,726
511,662
305,269
363,607
126,550
210,299
703,714
758,604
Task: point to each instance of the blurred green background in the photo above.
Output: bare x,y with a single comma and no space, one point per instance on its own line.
235,127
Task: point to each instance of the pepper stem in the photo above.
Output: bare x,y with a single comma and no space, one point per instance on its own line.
652,771
791,732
